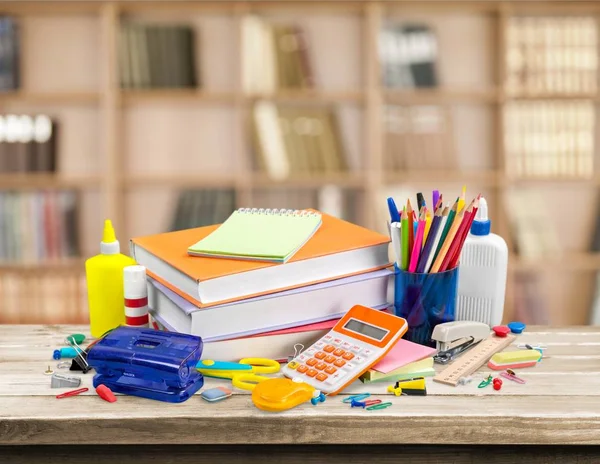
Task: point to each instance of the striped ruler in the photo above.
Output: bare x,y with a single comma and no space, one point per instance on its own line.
473,359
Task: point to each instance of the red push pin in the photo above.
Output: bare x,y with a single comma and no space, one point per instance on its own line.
105,393
501,330
497,383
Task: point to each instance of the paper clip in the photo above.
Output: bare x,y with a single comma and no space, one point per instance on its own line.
372,402
485,383
356,398
379,406
72,393
510,375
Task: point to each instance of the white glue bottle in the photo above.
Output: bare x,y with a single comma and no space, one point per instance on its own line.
136,296
482,273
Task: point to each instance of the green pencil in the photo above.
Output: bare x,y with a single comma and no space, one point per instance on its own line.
449,221
404,239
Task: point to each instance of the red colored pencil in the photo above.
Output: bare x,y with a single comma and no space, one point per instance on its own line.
456,256
456,243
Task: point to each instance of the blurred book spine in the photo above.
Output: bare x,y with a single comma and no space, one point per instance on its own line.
274,57
418,138
157,56
408,55
38,227
27,143
9,54
291,140
550,138
197,208
551,55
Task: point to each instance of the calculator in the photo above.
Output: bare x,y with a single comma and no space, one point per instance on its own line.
359,340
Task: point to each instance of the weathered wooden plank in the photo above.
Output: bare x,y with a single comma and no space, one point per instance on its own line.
442,420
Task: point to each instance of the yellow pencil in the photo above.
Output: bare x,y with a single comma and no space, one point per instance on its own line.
427,225
461,200
447,242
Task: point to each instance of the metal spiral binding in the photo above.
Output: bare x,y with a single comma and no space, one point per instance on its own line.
278,212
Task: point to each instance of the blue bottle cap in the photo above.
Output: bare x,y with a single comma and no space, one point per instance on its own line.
481,225
516,327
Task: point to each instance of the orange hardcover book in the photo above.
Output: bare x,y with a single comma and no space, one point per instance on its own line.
338,249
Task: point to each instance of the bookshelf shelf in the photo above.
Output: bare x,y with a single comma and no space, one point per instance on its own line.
48,181
175,95
310,96
492,178
200,180
569,262
61,98
348,180
440,96
551,96
67,265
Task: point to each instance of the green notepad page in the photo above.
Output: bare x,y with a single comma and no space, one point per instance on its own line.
259,234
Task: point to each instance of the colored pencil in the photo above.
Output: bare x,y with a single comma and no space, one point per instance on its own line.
429,241
461,202
437,263
428,220
411,226
447,226
420,201
457,240
404,237
416,251
435,197
436,240
456,257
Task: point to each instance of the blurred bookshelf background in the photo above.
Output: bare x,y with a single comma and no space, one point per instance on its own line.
168,115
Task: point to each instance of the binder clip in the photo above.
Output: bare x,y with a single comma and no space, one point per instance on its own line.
148,363
63,381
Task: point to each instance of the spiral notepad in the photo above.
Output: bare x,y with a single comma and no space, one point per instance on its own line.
272,235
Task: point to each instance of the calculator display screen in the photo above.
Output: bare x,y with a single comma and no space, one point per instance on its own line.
365,329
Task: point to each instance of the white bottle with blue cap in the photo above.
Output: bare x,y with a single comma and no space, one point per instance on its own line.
482,273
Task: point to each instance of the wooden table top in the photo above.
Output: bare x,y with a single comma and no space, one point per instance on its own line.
559,404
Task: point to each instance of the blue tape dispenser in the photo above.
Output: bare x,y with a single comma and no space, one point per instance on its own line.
148,363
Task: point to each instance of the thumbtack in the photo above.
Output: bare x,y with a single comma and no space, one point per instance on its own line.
48,371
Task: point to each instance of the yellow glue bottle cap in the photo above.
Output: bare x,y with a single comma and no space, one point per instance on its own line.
109,245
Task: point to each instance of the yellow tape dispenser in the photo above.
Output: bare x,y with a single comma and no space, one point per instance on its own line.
268,394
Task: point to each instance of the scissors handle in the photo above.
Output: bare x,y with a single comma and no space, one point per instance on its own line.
247,381
262,365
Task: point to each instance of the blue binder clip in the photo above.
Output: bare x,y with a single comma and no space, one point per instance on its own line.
148,363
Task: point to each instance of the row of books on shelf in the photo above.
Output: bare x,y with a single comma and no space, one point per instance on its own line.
550,138
28,143
43,298
551,54
203,207
38,227
10,54
157,55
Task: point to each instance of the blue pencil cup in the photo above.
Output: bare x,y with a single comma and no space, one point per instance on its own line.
425,300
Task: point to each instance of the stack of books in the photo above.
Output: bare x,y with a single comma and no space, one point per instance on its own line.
249,306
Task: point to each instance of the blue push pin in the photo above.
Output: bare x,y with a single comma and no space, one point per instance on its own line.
65,353
357,404
516,327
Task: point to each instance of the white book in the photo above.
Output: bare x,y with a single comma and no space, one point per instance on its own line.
300,306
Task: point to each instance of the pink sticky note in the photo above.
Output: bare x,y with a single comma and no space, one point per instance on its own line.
403,353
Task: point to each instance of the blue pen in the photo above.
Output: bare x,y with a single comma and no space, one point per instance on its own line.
394,215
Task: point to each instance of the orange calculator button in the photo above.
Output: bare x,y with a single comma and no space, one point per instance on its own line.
339,352
321,377
320,355
321,366
347,355
329,358
311,362
329,369
329,348
302,369
339,363
311,373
